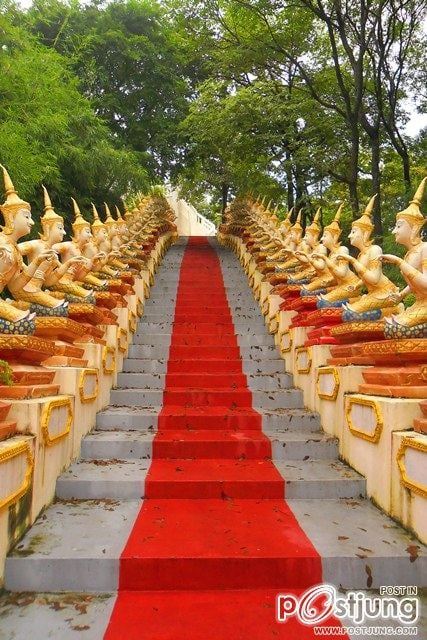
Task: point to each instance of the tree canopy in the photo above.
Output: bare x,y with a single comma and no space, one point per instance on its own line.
303,101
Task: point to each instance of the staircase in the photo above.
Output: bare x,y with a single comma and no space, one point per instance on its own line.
245,495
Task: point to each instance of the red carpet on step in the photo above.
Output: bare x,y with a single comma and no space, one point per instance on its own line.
214,542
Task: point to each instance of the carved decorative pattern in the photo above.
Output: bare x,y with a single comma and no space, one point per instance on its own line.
108,360
328,371
418,445
48,410
300,351
374,437
86,373
8,453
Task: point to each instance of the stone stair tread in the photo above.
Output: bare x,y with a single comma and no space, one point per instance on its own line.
107,469
352,530
315,470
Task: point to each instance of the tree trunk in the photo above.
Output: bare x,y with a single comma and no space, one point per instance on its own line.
376,183
224,197
354,171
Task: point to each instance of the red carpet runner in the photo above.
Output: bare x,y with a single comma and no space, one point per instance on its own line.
214,541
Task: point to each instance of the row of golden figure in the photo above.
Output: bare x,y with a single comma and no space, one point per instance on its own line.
44,276
318,264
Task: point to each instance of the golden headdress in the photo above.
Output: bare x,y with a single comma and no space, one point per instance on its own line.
334,226
120,220
314,225
109,220
297,224
412,214
79,222
97,223
365,220
50,216
12,204
286,223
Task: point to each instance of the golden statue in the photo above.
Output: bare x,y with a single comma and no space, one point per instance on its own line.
76,247
368,266
412,322
25,282
61,279
309,245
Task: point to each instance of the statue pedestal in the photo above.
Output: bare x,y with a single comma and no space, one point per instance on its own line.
333,383
82,384
307,361
273,304
25,349
16,469
290,340
366,442
409,482
50,421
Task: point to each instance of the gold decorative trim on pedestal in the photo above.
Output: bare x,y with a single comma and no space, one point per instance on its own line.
324,371
13,452
298,352
418,445
45,419
286,349
374,437
122,340
83,375
108,351
132,322
139,308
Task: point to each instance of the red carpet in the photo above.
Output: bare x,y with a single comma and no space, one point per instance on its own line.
214,541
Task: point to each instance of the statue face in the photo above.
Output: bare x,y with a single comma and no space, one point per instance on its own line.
85,235
327,239
311,238
56,232
22,223
101,235
356,237
403,232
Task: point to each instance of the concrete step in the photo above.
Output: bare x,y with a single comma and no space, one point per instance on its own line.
146,418
320,479
199,339
102,479
352,535
125,445
120,445
261,382
285,398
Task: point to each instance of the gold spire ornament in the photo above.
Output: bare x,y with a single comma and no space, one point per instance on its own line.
109,220
334,226
314,225
97,222
412,213
79,222
50,216
365,220
12,204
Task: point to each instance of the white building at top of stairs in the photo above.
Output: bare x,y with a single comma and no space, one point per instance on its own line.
188,220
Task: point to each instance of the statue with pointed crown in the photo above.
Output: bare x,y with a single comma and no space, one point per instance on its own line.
318,259
378,300
75,248
309,245
25,282
296,242
62,278
412,322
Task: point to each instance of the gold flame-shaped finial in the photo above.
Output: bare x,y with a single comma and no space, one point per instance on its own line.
412,213
334,226
50,216
315,226
97,222
12,204
365,220
79,221
109,220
